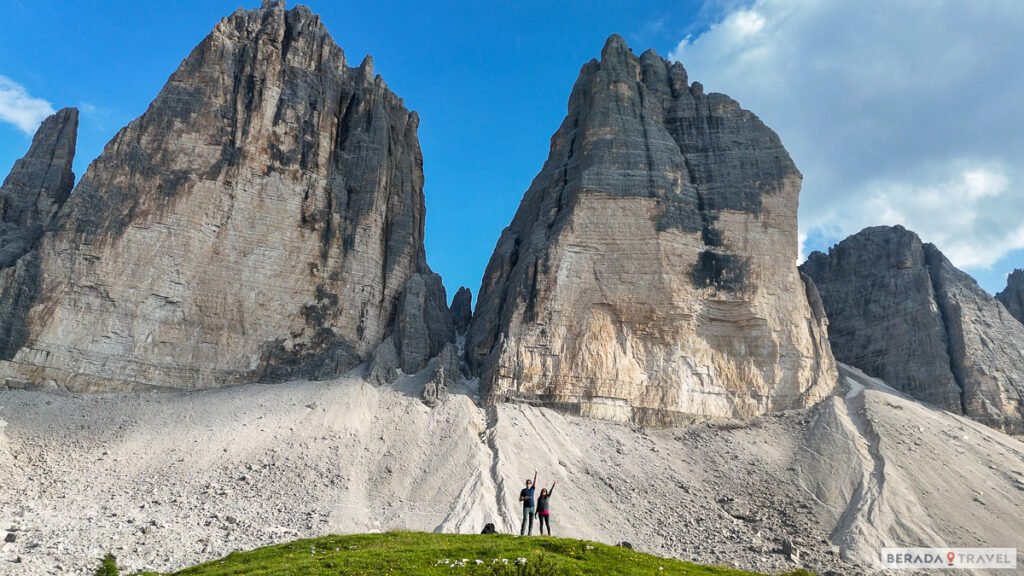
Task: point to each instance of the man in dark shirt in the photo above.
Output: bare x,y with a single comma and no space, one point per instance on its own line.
526,497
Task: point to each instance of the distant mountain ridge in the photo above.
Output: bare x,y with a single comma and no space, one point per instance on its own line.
900,311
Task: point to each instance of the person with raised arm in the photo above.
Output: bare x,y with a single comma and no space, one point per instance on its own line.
526,497
544,508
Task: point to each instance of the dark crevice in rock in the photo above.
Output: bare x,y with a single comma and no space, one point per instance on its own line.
326,235
530,312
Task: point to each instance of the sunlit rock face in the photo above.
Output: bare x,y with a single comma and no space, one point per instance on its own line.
900,311
260,221
649,274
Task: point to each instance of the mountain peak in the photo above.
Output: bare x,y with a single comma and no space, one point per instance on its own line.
616,52
900,311
1012,296
657,193
264,166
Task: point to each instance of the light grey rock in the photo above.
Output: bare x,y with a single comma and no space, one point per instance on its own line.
447,369
462,309
450,360
384,364
649,274
259,222
33,192
1012,297
900,311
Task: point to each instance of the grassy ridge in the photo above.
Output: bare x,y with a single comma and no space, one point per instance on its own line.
417,553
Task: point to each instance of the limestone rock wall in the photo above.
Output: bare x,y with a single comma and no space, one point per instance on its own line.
260,221
649,272
900,311
1012,296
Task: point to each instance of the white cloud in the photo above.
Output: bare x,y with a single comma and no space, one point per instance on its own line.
895,112
744,23
959,211
18,107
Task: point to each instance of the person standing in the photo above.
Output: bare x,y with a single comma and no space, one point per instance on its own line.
526,497
544,508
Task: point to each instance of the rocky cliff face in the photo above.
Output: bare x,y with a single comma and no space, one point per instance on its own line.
1013,296
36,188
261,221
900,311
649,274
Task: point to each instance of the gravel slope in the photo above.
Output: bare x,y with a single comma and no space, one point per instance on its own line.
166,480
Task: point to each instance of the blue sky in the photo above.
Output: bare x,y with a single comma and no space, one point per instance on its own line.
490,81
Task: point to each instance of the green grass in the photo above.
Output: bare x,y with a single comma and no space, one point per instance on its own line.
421,554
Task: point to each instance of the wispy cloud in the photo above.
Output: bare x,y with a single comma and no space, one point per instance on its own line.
896,113
20,108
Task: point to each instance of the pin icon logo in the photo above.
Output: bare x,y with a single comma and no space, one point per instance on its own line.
950,556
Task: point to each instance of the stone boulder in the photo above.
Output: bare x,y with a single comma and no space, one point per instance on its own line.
446,375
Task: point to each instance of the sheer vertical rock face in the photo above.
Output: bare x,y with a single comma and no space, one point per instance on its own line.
259,222
900,311
424,324
1013,296
649,274
33,192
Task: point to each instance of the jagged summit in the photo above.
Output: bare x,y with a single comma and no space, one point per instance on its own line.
900,311
37,185
648,273
33,192
261,221
1012,296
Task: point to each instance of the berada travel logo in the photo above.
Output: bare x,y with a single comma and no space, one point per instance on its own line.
951,558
